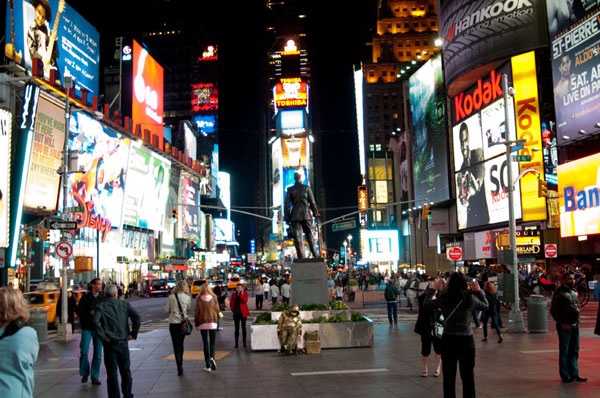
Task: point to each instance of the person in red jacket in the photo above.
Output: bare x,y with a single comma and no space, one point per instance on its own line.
239,307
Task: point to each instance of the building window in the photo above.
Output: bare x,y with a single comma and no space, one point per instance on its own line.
408,53
384,73
423,24
371,74
425,42
399,44
417,43
406,25
389,25
416,24
395,114
432,23
401,53
394,106
407,43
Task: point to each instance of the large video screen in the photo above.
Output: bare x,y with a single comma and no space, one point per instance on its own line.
430,159
147,101
575,37
55,33
5,157
146,189
380,245
189,211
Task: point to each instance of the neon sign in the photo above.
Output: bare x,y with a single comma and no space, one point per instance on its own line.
292,94
87,218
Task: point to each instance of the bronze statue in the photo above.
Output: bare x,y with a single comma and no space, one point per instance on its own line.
299,200
289,329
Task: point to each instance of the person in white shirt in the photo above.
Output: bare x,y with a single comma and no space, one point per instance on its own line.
177,307
266,288
274,293
286,290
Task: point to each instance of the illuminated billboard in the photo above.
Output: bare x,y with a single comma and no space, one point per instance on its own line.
147,99
103,156
290,93
579,196
191,141
574,41
146,189
294,152
292,119
188,211
380,245
43,180
205,97
53,32
167,242
223,231
5,157
206,124
430,160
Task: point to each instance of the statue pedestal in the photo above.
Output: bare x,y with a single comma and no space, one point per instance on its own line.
309,281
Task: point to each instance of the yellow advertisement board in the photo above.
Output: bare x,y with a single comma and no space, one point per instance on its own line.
579,196
527,113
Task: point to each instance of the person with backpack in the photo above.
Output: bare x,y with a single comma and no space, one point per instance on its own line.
391,297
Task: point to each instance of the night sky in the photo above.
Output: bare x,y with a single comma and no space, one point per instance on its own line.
336,42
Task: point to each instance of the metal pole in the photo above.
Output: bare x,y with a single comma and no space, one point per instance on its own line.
64,330
515,317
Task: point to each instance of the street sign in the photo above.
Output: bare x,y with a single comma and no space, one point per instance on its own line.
521,158
454,253
551,250
64,250
75,209
344,225
252,258
517,148
63,225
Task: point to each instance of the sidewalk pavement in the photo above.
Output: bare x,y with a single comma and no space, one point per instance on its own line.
524,365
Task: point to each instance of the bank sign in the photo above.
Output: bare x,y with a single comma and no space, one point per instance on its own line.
579,196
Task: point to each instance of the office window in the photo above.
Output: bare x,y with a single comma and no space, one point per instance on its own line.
400,53
399,44
408,53
417,43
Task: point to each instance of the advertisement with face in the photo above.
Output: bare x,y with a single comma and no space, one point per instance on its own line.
468,143
168,237
147,189
427,104
579,196
189,210
55,33
493,126
147,101
42,188
550,153
575,36
103,156
478,32
5,156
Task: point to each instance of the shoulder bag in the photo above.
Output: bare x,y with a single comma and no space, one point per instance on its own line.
440,322
186,325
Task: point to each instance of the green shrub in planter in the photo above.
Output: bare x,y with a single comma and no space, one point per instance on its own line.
314,307
353,282
358,317
264,319
372,281
279,307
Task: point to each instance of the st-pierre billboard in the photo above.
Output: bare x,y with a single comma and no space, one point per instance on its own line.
54,32
427,103
574,29
478,32
579,196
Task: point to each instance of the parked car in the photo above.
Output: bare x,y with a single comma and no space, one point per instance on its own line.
158,287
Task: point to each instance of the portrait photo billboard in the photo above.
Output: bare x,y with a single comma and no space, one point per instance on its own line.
5,157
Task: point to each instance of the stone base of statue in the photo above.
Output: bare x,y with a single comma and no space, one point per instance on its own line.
309,281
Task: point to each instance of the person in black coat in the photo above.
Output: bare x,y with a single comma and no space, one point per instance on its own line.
424,327
491,313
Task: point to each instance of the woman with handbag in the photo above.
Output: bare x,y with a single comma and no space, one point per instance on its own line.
458,346
179,324
425,327
206,317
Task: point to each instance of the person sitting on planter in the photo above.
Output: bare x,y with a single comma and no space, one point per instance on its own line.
289,329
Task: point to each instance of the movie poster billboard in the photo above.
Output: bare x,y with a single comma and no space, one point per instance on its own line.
478,32
146,189
574,30
5,157
43,180
55,33
100,186
188,211
579,196
168,236
429,145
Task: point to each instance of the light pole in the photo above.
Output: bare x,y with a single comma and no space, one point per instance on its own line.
346,254
515,317
349,248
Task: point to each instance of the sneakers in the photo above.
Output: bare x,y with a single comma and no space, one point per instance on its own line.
207,370
96,382
484,339
213,364
500,339
84,379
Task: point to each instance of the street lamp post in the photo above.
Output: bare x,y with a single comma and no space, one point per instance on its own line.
346,254
349,248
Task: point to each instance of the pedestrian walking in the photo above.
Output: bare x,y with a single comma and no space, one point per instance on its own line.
458,346
177,308
85,311
339,292
266,288
71,306
564,308
206,319
18,345
111,321
286,292
239,307
491,313
391,298
274,293
259,294
424,327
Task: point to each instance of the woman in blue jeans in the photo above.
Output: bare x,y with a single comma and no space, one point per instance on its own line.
491,313
458,346
205,318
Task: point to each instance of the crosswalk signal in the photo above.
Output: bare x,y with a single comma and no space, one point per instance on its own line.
542,188
174,215
426,212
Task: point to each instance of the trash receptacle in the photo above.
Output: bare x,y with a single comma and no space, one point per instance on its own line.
537,314
39,322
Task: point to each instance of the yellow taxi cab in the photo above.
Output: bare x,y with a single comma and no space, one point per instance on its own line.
46,300
234,281
195,290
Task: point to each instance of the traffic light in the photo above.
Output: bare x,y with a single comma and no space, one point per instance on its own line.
37,235
46,235
426,212
542,188
174,215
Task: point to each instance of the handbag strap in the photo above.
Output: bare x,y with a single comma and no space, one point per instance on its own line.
454,310
179,305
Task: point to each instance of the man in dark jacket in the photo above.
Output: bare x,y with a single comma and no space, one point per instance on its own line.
85,311
564,308
112,325
391,297
299,200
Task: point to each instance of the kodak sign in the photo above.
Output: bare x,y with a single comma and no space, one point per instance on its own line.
484,93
